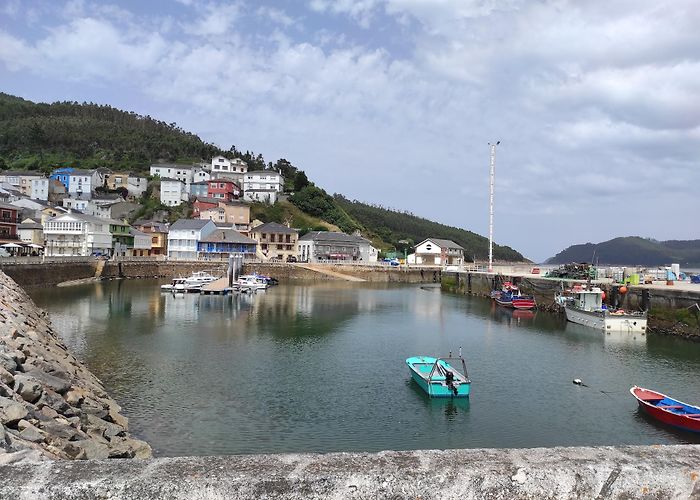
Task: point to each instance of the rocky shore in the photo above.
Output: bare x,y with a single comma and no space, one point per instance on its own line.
51,406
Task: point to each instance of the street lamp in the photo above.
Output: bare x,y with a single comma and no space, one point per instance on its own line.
492,180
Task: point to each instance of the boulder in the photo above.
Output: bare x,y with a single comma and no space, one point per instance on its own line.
53,400
90,450
60,430
28,387
11,412
75,396
29,432
130,448
54,383
6,377
7,362
118,418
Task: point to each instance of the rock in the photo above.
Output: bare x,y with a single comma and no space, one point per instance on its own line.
27,387
53,400
130,448
60,430
91,450
11,412
56,384
29,432
117,418
49,412
6,377
75,396
7,362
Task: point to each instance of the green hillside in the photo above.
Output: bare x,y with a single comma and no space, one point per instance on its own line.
633,250
38,136
397,227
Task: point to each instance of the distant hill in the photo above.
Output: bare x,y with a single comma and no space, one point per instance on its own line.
633,250
394,226
39,136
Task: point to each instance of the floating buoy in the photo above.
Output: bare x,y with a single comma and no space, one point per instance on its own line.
623,290
578,381
603,296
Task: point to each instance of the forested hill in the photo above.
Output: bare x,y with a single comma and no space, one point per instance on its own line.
391,225
37,136
633,250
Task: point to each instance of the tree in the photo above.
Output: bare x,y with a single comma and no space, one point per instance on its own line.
300,181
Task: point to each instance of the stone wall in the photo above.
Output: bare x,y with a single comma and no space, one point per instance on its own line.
51,406
49,274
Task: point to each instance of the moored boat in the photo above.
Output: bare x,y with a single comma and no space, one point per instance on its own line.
177,285
438,377
667,410
509,296
252,282
584,305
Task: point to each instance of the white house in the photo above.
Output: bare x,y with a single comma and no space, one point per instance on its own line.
437,252
232,169
172,192
30,231
77,234
136,186
40,188
187,174
367,252
75,204
80,183
183,236
262,185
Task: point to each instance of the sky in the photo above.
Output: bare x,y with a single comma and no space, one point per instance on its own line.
395,102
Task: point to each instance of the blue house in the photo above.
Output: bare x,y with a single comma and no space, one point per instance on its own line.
62,175
221,243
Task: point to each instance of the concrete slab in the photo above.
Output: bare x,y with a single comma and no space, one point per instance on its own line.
596,472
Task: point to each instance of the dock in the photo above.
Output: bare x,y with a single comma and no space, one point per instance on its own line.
218,287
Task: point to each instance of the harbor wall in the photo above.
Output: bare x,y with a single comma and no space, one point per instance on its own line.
546,473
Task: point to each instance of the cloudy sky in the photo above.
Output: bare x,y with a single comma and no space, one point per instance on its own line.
596,103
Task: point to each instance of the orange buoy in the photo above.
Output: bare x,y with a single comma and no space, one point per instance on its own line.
603,296
623,290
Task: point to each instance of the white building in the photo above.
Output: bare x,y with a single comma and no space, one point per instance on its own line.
77,234
75,204
262,185
142,243
172,192
136,186
187,174
232,169
437,252
183,236
40,189
30,231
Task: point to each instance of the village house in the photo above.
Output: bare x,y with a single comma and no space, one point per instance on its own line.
116,180
224,242
199,189
75,204
9,219
136,186
172,192
437,252
263,186
31,232
57,191
183,236
77,182
77,234
40,189
122,239
50,212
234,212
158,232
223,168
111,208
315,246
223,189
275,241
187,174
141,243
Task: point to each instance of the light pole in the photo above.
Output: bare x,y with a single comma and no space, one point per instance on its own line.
492,180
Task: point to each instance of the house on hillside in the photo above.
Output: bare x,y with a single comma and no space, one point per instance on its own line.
275,241
263,186
223,168
437,252
183,236
158,232
141,243
223,242
187,174
199,189
30,231
316,246
9,219
40,189
223,189
172,192
233,212
77,234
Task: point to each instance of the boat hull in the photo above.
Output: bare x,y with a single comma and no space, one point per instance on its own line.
669,411
437,388
602,320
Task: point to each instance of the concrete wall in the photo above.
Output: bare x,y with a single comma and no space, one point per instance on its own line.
541,473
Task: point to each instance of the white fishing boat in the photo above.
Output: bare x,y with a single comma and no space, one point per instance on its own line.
252,282
583,304
177,284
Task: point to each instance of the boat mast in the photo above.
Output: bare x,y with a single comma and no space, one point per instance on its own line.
492,180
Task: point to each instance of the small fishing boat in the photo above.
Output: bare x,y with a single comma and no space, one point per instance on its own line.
668,410
177,285
510,296
583,304
438,376
252,282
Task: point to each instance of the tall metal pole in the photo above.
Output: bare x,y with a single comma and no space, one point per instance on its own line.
492,180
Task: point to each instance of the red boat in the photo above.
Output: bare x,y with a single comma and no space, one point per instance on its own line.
668,410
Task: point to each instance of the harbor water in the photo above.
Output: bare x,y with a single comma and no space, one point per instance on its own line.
321,367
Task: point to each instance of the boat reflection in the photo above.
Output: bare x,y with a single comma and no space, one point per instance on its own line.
513,317
451,407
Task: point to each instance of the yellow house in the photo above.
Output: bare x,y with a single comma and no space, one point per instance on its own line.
117,180
235,213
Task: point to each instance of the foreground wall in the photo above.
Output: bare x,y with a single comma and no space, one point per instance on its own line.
604,472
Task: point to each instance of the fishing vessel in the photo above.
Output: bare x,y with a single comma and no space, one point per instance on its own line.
583,304
252,282
177,285
509,296
439,377
667,410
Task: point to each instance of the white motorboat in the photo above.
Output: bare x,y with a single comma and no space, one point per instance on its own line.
177,285
584,305
200,278
252,282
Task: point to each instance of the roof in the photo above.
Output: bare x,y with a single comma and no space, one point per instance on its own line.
189,224
170,179
227,236
7,206
20,173
443,243
30,225
173,165
80,171
266,172
200,183
329,236
273,227
204,199
136,232
159,227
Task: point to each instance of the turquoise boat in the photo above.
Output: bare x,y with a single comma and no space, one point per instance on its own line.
439,377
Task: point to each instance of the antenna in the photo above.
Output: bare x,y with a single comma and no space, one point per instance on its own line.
492,181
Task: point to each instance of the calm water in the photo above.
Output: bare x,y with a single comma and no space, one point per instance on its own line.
321,368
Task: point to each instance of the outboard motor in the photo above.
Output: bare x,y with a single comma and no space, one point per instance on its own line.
449,381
